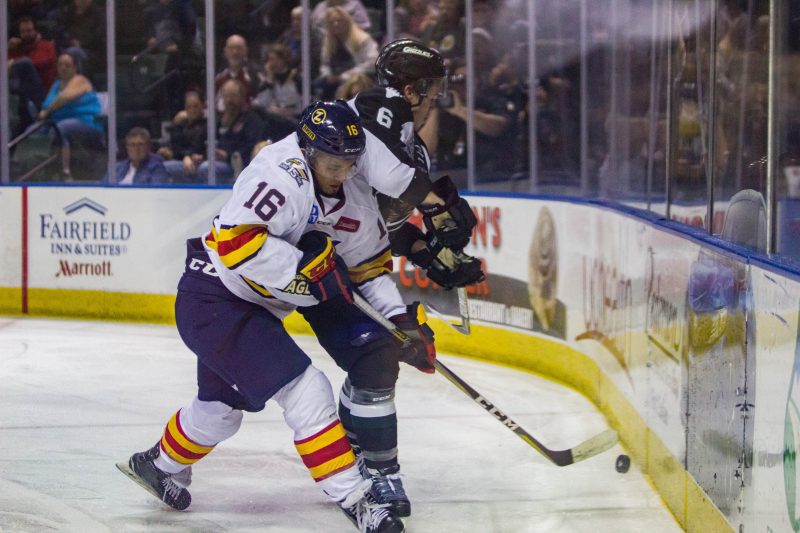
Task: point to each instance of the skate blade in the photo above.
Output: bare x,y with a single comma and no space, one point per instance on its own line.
126,469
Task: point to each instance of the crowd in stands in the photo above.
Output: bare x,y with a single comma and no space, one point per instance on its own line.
57,73
258,87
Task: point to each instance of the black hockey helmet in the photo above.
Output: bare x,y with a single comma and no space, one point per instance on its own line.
332,128
407,61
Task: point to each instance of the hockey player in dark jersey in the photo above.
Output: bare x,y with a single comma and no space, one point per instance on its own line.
397,165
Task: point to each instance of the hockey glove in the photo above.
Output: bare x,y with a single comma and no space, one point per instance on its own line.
455,269
452,222
421,353
443,266
326,274
403,239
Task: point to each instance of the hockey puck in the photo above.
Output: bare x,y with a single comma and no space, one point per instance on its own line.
623,463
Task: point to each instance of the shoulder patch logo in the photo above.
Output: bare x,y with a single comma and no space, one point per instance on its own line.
296,168
314,215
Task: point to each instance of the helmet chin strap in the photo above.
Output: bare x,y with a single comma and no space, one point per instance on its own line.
419,101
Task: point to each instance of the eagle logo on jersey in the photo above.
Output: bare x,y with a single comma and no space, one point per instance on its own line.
318,116
296,169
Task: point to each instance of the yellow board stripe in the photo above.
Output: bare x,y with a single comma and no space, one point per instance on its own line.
172,427
329,437
332,465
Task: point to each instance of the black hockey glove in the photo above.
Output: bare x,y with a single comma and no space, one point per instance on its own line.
421,353
452,222
443,266
455,269
326,274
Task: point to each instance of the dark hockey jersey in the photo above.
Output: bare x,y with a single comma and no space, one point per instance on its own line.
396,162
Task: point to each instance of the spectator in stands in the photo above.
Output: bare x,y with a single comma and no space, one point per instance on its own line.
347,50
187,139
74,107
173,26
354,8
36,9
238,130
495,118
142,167
353,86
279,92
413,17
237,68
448,33
82,24
29,44
483,12
292,38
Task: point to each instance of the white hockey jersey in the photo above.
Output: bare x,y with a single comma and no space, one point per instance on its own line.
356,227
252,242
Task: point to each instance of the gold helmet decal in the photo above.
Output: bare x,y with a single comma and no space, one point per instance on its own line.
318,116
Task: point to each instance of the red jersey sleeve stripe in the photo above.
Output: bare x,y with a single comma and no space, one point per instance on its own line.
242,248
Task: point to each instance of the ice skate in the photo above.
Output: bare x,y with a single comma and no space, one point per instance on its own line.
169,488
368,515
387,488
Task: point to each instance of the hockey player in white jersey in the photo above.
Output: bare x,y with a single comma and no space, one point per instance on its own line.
248,272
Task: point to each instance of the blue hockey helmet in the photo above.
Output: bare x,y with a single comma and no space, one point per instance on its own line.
332,128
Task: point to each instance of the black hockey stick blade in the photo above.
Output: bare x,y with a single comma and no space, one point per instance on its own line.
588,448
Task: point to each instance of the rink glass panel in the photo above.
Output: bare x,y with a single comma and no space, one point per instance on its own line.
787,152
34,150
660,105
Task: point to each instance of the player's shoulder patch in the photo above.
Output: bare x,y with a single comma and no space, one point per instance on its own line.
296,168
391,92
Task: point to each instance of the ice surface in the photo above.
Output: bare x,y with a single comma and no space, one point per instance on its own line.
78,396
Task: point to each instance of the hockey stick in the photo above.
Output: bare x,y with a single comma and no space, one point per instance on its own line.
588,448
463,310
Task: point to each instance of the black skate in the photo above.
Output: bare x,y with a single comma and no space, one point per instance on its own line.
368,515
169,488
388,489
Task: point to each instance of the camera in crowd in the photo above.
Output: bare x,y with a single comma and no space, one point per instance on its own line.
446,100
